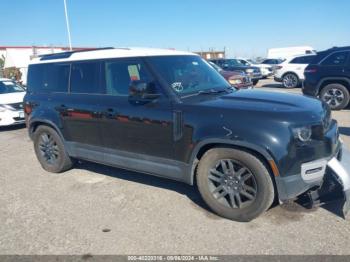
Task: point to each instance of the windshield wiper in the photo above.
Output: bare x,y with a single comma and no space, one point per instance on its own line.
210,91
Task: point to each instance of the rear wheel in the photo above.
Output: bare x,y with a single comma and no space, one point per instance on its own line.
290,80
234,184
50,150
335,95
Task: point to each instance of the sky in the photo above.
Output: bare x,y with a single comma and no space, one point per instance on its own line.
244,28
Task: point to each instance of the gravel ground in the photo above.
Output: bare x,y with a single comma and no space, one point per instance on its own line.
102,210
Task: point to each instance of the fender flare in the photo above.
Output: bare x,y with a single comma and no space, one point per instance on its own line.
43,121
345,79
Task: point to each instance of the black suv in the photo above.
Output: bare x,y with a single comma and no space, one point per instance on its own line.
328,77
171,114
235,65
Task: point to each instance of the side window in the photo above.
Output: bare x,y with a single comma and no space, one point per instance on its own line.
119,74
85,78
296,60
336,59
47,78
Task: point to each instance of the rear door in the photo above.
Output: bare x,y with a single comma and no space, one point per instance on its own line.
80,110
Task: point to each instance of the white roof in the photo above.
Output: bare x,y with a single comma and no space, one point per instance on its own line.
114,53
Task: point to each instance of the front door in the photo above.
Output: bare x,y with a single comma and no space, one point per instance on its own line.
144,130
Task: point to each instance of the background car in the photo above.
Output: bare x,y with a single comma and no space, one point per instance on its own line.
272,62
237,79
253,72
328,77
11,103
266,70
291,71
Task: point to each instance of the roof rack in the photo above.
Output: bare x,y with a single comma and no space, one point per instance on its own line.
69,53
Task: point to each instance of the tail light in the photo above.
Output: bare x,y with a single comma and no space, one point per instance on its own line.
28,109
310,70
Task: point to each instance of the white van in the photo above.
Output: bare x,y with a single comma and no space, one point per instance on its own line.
290,51
11,103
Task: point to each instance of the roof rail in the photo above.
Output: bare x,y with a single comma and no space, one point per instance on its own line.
69,53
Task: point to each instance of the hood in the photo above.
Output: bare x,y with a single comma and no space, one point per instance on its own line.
264,105
12,98
228,74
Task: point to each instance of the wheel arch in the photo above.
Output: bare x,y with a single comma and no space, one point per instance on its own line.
290,72
263,155
333,80
38,122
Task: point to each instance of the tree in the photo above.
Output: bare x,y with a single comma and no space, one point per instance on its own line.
2,63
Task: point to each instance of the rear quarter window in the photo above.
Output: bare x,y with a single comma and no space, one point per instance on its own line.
336,59
85,78
48,78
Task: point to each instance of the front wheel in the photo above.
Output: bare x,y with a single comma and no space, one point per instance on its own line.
290,80
336,96
50,150
235,184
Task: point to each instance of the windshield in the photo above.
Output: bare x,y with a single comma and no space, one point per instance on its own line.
188,74
9,87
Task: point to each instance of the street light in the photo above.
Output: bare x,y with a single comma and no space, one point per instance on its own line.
67,23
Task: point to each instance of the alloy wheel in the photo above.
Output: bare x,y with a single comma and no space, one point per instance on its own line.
48,148
232,184
334,97
290,81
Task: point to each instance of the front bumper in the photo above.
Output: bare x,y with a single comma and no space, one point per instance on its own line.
9,118
314,180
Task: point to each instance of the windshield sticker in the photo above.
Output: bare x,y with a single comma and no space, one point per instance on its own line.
177,86
195,63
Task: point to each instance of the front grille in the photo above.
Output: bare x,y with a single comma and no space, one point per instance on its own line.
17,106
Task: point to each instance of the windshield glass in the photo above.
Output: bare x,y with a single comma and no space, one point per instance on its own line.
9,87
188,74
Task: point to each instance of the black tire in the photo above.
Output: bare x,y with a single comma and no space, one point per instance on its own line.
335,95
224,207
255,82
50,151
290,80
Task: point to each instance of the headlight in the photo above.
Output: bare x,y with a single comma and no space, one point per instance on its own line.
235,81
303,134
2,108
249,70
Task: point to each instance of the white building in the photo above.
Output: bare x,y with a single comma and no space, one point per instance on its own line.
20,56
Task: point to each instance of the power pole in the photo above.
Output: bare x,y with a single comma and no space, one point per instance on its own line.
67,23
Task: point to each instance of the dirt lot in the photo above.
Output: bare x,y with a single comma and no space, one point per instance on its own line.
102,210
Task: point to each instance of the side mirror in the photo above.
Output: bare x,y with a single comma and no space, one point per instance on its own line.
141,91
